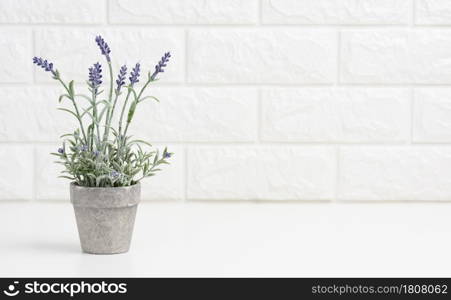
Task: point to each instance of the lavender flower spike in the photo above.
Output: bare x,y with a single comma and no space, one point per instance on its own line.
121,78
43,63
161,65
104,48
135,74
95,76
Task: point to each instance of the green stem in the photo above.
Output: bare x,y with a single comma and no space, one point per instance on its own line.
122,112
144,87
126,128
95,122
110,96
71,97
119,138
112,113
137,99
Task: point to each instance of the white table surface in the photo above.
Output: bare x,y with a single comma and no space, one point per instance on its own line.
237,239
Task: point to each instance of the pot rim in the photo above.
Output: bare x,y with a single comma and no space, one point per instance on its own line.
105,197
75,185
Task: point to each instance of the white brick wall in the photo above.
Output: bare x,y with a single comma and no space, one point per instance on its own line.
311,100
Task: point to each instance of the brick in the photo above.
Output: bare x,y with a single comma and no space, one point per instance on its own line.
380,56
396,56
16,163
395,173
430,56
52,12
198,115
261,56
36,107
432,115
15,49
261,173
433,12
336,11
336,115
30,114
183,12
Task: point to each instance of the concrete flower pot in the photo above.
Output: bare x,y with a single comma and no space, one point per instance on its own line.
105,217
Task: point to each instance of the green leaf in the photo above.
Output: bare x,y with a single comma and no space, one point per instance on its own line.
131,111
100,178
84,97
105,102
57,75
69,111
149,97
62,97
100,116
139,142
87,111
71,89
135,96
156,158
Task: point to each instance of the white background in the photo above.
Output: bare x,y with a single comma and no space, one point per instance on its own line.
264,101
311,100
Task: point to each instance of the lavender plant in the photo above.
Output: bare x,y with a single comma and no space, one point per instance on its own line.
98,153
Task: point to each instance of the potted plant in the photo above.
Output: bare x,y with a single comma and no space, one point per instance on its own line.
102,161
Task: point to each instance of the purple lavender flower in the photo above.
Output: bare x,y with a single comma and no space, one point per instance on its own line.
161,65
167,155
43,63
96,153
121,78
104,48
115,174
84,148
135,74
60,150
95,76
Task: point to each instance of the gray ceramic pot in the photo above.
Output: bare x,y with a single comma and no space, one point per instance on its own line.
105,217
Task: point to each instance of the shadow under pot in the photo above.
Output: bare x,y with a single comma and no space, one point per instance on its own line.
105,217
